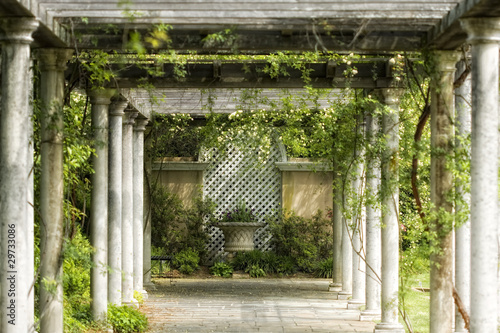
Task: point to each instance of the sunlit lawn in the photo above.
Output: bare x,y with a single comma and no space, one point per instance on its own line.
417,302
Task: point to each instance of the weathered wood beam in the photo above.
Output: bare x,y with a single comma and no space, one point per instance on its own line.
366,73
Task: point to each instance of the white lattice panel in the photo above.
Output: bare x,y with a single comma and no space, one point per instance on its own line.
237,175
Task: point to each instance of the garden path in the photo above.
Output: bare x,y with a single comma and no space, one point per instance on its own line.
249,305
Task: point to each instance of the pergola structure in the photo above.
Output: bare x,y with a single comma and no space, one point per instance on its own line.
53,29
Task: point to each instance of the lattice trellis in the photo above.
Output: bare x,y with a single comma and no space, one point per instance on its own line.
238,175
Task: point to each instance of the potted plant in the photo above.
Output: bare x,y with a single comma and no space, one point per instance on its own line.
238,226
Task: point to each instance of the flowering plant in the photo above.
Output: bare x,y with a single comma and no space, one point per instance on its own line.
241,213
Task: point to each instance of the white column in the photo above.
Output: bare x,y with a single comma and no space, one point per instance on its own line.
15,37
52,63
484,35
336,284
147,223
442,142
373,227
30,240
100,100
346,291
115,202
462,232
127,209
390,216
139,128
358,234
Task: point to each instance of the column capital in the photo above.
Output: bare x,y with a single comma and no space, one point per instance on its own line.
101,96
53,59
129,117
391,95
140,124
117,108
446,61
17,29
482,29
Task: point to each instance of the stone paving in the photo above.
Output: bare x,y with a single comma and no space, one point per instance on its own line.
249,305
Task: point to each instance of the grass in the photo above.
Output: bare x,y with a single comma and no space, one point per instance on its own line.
416,302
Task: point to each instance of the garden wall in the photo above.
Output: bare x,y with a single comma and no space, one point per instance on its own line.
303,191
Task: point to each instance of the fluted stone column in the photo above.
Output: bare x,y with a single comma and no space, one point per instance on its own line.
390,216
100,100
139,128
373,227
52,63
336,284
115,202
128,209
462,232
15,36
484,35
442,143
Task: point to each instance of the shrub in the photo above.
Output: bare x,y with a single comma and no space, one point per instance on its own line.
255,271
324,268
244,260
221,269
305,240
187,261
269,262
126,319
76,283
174,227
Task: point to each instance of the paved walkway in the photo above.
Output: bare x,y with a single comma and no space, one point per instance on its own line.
249,305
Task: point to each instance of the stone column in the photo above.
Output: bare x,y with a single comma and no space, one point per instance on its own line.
115,202
336,284
358,233
462,232
100,100
346,291
390,216
147,222
127,209
442,143
139,128
52,65
30,240
484,35
15,37
373,226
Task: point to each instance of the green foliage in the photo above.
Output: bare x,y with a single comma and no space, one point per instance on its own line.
221,269
175,135
305,240
240,213
176,227
324,268
76,283
126,319
269,262
255,271
187,261
138,297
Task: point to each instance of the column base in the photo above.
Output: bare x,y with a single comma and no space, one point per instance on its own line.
355,304
344,295
370,315
335,286
149,286
389,328
133,303
144,294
